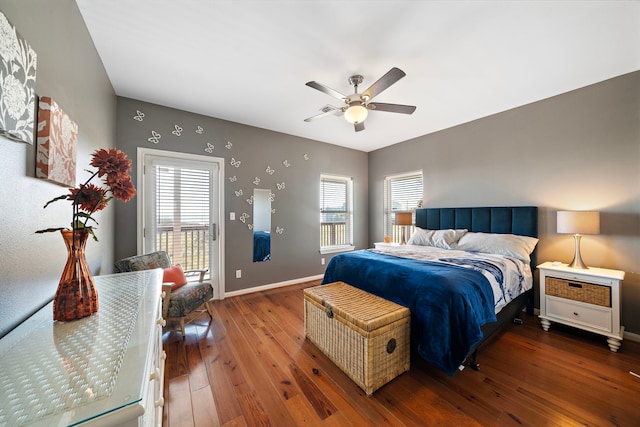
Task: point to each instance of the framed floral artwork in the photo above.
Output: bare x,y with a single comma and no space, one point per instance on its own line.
56,147
17,84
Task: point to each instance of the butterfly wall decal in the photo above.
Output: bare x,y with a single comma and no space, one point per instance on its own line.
155,137
235,162
209,148
177,131
139,116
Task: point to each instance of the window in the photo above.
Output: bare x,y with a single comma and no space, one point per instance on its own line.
182,215
402,193
336,215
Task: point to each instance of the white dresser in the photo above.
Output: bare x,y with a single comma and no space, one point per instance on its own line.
104,370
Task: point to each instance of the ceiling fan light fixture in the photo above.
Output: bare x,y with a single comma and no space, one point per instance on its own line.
356,106
356,113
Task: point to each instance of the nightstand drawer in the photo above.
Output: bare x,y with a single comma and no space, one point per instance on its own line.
587,315
579,291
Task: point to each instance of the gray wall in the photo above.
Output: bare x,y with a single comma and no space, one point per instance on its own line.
70,71
295,252
576,151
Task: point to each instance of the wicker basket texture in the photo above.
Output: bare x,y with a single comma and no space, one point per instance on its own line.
364,335
579,291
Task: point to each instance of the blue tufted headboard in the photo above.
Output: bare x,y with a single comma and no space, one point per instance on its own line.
522,220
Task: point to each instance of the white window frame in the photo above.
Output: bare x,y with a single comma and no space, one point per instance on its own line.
349,215
389,211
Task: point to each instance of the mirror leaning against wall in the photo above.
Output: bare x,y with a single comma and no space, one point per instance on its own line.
261,225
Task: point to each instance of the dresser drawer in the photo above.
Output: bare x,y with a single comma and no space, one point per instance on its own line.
593,316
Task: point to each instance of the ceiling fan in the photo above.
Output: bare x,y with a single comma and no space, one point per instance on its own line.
357,105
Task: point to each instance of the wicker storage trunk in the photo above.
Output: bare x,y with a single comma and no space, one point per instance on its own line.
364,335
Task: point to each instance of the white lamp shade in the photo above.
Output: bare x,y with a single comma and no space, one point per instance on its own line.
578,222
356,114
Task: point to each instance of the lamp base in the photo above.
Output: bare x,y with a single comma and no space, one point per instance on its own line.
577,259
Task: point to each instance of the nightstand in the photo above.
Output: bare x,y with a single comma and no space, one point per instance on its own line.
588,299
383,245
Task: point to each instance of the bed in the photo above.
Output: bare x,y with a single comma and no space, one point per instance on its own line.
452,279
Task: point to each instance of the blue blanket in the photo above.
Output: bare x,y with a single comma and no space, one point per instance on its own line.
448,303
261,246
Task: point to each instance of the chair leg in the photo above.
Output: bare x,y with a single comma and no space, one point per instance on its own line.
182,327
206,304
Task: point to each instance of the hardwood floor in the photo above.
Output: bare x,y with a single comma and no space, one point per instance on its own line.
251,366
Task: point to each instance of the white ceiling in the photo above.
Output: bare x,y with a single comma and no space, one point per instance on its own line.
248,61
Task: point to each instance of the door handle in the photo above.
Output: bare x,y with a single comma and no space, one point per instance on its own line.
214,231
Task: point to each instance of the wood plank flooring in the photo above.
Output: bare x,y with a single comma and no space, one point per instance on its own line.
251,366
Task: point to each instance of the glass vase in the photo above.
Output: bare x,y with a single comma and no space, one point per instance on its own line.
76,296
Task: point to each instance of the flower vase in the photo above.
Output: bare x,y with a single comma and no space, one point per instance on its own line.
76,296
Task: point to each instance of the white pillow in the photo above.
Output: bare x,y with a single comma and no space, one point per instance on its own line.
445,239
499,244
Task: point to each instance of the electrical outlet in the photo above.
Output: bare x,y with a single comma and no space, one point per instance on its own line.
238,274
232,216
322,261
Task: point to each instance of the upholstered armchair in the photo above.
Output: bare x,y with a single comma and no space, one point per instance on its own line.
178,302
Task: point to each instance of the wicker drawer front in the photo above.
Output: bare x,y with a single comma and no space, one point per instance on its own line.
578,291
371,358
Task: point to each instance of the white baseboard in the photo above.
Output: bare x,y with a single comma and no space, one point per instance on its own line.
272,286
631,336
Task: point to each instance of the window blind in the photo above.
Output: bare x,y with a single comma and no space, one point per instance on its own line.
182,213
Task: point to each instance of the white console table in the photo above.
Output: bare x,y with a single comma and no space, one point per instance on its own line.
104,370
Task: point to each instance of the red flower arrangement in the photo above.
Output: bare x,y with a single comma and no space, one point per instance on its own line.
113,167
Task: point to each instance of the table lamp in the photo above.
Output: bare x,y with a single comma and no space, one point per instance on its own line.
404,219
578,223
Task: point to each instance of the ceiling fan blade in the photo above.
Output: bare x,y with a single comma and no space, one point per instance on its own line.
327,110
392,76
327,90
392,108
359,126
